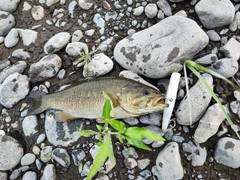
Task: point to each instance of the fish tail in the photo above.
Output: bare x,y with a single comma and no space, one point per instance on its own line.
35,99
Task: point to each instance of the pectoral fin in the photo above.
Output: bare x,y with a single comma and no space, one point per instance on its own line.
63,116
113,99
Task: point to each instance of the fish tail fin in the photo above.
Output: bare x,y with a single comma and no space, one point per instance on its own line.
35,99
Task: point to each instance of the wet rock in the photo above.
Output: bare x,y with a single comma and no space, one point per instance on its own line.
17,67
9,6
227,67
14,88
28,159
29,125
37,12
59,133
7,22
75,48
3,64
227,152
12,38
10,152
155,53
78,155
212,14
85,4
98,66
168,163
49,173
30,175
209,124
46,153
21,54
61,156
57,42
130,163
165,7
231,49
200,98
197,155
151,10
46,68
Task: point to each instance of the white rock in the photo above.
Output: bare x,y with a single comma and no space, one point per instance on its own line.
30,175
98,66
85,4
90,32
227,67
227,152
46,68
6,23
99,22
71,8
75,48
77,35
165,7
28,36
9,6
51,2
29,125
138,11
49,173
209,124
12,38
130,163
57,42
231,49
37,12
212,14
11,152
168,163
151,10
61,156
26,6
207,59
155,53
213,35
200,98
21,54
14,88
28,159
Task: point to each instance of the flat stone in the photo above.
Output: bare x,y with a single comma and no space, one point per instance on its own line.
98,66
30,175
37,12
28,36
29,125
28,159
12,38
231,49
21,54
14,88
9,6
7,22
46,68
227,152
168,163
11,152
212,14
227,67
213,35
155,53
61,156
200,98
207,59
209,124
75,48
57,42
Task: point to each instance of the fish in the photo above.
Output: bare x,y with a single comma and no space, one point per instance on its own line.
84,99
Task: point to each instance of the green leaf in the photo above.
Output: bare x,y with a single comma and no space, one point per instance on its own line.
99,127
117,125
107,107
85,133
139,133
104,151
136,143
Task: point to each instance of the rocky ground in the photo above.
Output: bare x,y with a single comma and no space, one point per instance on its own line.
41,39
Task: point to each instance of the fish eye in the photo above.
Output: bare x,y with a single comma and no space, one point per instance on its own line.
146,92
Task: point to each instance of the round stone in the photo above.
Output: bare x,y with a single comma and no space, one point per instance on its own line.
10,152
37,12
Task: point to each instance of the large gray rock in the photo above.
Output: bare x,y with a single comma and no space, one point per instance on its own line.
214,13
200,98
158,51
7,21
227,152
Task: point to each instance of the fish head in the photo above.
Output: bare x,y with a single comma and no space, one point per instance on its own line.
140,99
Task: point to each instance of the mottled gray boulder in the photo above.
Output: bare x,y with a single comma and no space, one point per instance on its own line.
227,67
17,67
7,21
227,152
9,5
11,152
57,42
61,156
209,124
46,68
14,88
200,98
59,133
158,51
168,163
214,13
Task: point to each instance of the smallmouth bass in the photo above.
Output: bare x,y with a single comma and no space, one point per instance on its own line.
85,99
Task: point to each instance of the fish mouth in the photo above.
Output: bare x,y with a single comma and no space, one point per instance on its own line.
160,102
